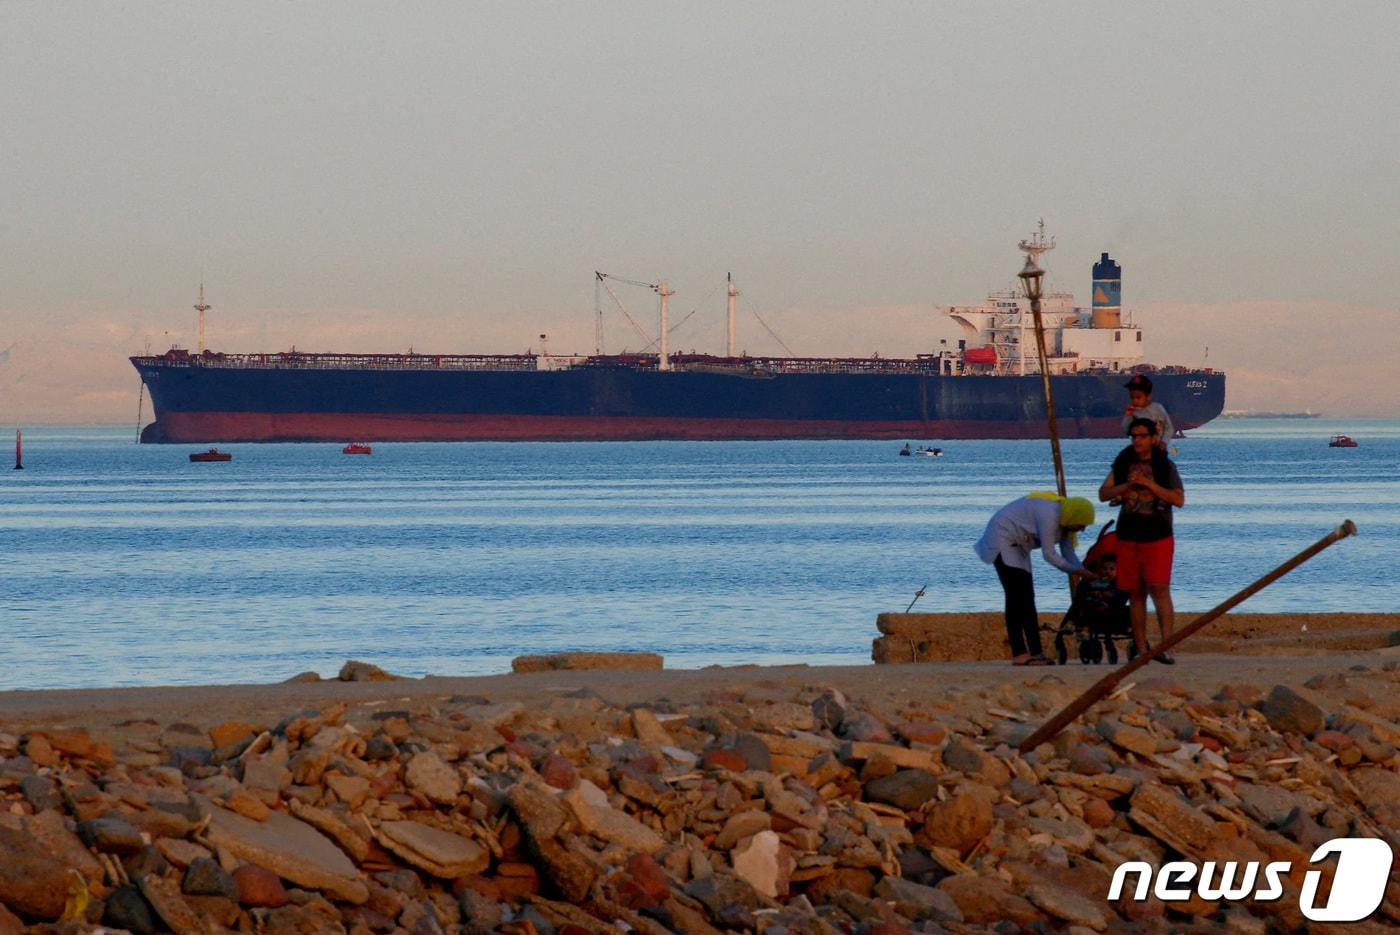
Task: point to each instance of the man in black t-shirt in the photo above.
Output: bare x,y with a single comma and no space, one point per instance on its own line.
1145,480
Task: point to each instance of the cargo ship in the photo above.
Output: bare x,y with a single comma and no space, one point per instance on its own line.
984,385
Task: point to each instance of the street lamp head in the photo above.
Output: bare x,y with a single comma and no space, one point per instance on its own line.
1031,275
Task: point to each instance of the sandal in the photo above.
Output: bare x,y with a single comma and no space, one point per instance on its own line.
1033,661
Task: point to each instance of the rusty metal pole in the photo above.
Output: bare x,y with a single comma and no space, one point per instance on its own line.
1103,686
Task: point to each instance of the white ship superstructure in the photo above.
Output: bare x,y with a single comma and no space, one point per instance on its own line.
1001,333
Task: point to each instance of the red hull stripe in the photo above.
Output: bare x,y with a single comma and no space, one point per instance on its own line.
186,427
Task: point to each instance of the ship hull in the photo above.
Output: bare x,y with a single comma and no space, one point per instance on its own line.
195,403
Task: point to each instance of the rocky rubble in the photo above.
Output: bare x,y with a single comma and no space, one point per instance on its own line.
772,811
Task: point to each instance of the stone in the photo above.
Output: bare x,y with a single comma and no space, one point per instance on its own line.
741,825
890,752
610,824
907,789
1171,819
482,914
921,732
111,834
429,774
1070,833
1098,813
33,877
290,848
649,731
1132,739
916,901
230,733
352,836
629,662
540,814
179,852
259,887
355,671
960,822
246,804
558,772
984,900
1290,713
1271,805
351,790
218,912
765,864
40,792
165,899
127,909
441,853
1061,902
267,770
1090,760
719,758
862,725
780,716
1380,793
643,884
204,877
40,751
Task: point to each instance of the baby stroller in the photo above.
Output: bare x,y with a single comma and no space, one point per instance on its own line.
1098,616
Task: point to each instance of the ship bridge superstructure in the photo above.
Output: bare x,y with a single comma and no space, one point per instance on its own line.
1000,334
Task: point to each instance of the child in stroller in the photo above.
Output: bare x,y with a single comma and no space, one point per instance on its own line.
1098,615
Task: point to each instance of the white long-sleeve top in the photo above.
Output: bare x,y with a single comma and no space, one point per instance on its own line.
1026,524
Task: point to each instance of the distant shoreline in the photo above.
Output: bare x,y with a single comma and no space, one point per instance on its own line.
1261,414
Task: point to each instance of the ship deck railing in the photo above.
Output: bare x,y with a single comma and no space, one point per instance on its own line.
299,361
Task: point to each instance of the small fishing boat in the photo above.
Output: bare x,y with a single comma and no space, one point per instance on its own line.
356,448
1342,441
931,452
213,454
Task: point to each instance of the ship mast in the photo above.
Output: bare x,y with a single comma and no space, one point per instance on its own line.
1033,248
733,303
201,308
665,292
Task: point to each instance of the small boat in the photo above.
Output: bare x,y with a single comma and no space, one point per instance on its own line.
931,452
213,454
905,452
356,448
1342,441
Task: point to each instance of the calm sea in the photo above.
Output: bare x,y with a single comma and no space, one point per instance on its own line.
124,564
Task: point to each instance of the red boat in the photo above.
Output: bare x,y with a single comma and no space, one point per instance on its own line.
1342,441
356,448
213,454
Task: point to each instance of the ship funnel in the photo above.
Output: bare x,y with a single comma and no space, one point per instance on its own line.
1108,293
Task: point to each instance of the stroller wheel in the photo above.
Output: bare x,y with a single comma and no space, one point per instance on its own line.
1092,653
1112,648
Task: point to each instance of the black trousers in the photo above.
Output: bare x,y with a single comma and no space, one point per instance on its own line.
1022,621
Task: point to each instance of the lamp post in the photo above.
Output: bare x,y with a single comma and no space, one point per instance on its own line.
1031,275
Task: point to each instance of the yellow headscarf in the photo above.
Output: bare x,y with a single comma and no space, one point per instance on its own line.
1074,511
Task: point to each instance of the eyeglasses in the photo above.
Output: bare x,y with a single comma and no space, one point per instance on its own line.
1140,434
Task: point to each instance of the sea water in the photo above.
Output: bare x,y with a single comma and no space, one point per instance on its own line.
125,564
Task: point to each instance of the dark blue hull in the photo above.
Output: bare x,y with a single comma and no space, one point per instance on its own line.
195,402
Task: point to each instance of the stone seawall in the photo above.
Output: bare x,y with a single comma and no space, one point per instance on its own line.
982,636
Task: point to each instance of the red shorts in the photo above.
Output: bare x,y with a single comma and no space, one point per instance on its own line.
1146,562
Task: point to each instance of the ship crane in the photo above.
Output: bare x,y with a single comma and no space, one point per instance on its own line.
201,308
663,291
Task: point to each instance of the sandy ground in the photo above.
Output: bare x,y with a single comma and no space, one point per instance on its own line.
113,713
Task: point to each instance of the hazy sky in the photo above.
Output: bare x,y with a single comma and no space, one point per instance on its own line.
370,176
